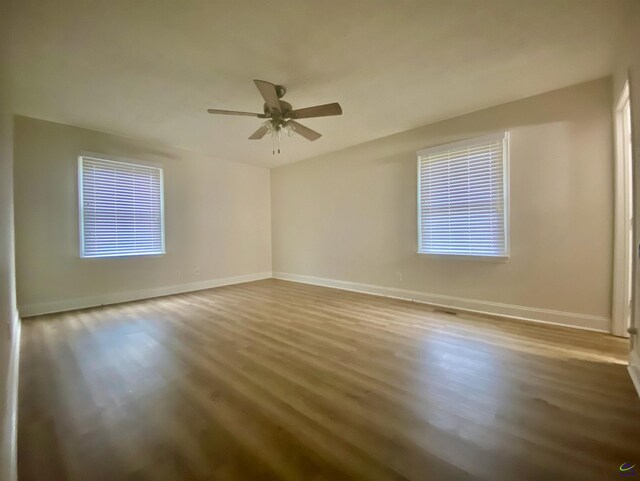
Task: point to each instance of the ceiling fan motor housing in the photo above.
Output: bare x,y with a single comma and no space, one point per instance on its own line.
279,117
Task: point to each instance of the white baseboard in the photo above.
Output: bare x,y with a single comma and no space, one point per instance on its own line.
548,316
634,369
562,318
36,309
9,440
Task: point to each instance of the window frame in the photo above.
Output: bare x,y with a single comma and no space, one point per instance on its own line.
492,137
119,160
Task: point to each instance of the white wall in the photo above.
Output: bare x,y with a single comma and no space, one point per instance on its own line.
9,323
350,216
217,221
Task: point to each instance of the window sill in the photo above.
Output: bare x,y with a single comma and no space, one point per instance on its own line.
125,256
458,257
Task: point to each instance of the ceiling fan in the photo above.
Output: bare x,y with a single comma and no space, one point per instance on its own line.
281,116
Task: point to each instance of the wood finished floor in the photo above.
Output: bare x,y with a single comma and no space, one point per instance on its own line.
274,380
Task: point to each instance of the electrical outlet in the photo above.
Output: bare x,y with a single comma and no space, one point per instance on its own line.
197,270
399,276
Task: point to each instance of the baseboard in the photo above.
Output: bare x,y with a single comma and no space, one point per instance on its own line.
9,446
548,316
634,369
562,318
29,310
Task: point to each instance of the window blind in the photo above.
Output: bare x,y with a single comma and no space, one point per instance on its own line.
121,208
462,198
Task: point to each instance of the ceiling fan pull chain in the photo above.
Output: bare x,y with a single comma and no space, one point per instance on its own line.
275,139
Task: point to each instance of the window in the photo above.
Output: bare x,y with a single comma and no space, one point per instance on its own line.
121,208
462,198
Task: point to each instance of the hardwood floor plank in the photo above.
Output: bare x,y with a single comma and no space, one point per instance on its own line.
275,380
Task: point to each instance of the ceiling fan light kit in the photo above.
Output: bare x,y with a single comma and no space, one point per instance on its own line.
281,116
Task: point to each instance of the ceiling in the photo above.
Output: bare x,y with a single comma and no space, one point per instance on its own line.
150,68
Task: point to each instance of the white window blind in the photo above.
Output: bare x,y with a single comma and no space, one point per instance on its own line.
462,192
121,208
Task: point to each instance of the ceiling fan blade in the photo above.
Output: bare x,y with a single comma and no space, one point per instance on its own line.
258,134
269,94
306,132
233,112
317,111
